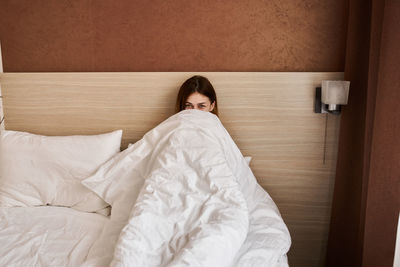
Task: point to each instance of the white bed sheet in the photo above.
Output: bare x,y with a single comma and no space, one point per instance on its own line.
47,236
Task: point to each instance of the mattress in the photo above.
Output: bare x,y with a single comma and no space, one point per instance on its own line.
47,236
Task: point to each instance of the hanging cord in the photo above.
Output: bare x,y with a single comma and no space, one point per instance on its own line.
1,106
325,137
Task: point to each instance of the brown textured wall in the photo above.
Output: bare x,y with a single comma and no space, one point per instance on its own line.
179,35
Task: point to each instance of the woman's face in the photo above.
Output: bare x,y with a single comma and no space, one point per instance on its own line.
199,101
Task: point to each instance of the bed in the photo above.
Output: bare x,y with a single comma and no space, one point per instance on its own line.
264,113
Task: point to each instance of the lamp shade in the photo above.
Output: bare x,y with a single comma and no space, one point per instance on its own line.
335,92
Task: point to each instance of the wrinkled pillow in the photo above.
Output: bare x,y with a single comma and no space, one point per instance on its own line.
41,170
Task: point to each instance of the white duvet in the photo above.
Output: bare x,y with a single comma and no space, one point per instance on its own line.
184,196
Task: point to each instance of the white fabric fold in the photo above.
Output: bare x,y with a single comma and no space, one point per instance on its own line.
184,195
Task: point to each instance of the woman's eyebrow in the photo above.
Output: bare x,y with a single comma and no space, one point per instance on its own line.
201,103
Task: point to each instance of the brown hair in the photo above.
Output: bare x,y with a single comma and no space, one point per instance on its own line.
196,84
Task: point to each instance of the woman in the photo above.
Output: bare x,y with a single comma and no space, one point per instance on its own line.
197,93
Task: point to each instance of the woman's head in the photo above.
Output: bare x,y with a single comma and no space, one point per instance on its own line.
197,93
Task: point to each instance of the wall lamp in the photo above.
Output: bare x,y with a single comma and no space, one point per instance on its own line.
330,96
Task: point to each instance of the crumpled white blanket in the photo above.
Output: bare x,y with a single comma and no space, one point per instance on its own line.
184,195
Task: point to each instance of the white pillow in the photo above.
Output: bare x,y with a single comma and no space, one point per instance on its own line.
47,170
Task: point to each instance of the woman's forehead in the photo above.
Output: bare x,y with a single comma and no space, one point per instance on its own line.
197,98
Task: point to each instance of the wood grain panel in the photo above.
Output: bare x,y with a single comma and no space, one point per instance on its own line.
269,115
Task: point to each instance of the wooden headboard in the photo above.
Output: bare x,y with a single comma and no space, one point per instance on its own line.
269,115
